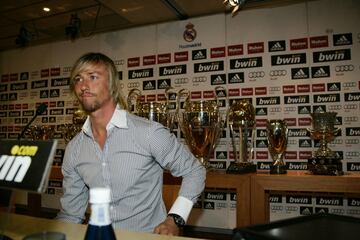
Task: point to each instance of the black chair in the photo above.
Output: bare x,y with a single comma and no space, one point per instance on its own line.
317,226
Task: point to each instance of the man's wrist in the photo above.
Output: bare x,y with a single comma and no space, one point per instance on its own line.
179,221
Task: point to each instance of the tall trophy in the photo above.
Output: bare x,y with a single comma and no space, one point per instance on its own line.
40,132
201,124
155,111
241,121
69,130
277,137
324,160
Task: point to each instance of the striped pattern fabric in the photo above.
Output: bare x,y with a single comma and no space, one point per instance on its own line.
131,164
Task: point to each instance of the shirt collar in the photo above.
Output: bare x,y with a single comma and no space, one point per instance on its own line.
118,119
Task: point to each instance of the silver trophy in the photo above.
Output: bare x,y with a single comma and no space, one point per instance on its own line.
277,137
241,121
201,124
324,160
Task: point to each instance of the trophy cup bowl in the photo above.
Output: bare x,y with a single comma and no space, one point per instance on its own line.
154,111
241,119
277,137
324,160
70,130
201,124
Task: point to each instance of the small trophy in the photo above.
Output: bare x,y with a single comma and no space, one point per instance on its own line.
201,125
70,130
155,111
241,120
324,160
277,137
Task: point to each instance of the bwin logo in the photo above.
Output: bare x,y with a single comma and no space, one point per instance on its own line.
15,166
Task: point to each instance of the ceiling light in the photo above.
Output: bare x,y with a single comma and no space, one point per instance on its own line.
235,4
46,9
72,30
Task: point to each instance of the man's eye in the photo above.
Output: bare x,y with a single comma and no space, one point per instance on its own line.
78,79
93,77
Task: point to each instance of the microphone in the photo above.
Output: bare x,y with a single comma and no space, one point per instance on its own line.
42,108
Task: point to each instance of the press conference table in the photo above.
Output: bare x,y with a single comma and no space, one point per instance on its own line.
18,226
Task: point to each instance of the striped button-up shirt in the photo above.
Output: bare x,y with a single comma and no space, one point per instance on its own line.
131,164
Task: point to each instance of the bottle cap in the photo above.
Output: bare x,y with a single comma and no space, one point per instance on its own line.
99,195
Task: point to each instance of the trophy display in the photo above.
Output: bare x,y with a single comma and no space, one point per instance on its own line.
324,160
201,125
40,132
155,111
277,137
70,130
241,121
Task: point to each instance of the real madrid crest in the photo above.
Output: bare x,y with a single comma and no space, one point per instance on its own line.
189,33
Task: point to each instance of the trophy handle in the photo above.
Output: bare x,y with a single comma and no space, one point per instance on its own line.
182,92
133,93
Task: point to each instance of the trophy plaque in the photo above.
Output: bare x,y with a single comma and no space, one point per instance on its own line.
155,111
201,125
241,121
324,161
277,137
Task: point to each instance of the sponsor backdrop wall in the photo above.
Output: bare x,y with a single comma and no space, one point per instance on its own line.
288,61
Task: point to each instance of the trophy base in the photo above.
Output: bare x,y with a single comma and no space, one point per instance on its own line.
325,166
241,167
278,169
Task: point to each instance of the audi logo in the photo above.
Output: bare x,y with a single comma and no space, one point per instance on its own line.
352,141
274,89
335,107
352,154
277,73
292,142
199,79
344,68
133,85
258,74
181,80
119,62
349,84
351,119
290,109
350,106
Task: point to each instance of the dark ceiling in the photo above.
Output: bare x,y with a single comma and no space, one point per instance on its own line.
97,16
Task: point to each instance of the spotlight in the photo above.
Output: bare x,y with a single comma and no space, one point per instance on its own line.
24,37
72,30
235,4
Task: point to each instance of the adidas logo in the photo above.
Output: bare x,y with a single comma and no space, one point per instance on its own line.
300,74
342,41
320,73
334,87
305,143
149,86
218,80
163,85
261,112
304,110
306,211
199,55
221,156
261,144
276,47
236,79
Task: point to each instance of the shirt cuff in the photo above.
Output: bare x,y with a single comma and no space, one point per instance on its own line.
182,207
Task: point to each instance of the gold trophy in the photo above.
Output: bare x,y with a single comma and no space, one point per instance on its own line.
324,160
277,137
241,120
155,111
201,125
38,132
70,130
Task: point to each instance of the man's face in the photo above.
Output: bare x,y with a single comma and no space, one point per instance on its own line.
92,87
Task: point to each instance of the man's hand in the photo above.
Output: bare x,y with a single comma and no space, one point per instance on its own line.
167,227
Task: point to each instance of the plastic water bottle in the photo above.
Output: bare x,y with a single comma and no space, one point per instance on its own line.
100,227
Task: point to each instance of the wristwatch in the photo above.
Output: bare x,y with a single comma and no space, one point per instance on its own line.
179,221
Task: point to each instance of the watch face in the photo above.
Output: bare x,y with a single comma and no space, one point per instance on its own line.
179,221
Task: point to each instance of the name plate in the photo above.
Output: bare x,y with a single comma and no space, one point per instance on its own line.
26,164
